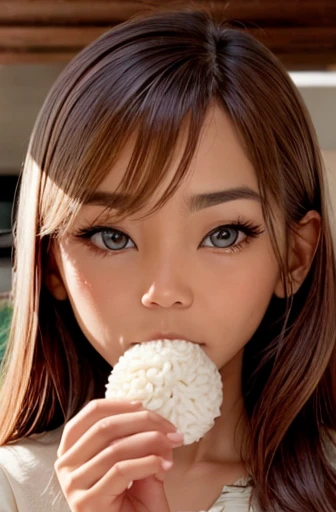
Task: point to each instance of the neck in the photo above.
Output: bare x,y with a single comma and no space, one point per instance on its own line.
223,444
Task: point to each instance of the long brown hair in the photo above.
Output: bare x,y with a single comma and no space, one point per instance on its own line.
150,78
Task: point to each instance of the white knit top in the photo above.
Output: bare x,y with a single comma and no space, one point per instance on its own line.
28,482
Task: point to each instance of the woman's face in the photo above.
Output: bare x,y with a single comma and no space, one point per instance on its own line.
201,268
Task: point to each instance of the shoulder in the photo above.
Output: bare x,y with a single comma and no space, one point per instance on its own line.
7,498
27,479
30,455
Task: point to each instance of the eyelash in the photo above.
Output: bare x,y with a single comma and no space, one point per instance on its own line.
250,230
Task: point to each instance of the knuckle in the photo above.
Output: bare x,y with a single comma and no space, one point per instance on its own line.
147,415
158,437
72,483
120,471
110,451
80,502
103,427
150,416
67,484
92,407
68,481
67,428
58,466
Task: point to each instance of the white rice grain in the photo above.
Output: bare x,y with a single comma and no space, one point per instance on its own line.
176,379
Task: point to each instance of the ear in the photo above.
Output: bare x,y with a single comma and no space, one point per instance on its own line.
302,248
53,280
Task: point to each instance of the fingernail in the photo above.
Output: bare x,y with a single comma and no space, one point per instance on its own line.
166,464
176,437
136,403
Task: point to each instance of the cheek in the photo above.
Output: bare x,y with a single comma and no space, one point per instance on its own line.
98,299
242,288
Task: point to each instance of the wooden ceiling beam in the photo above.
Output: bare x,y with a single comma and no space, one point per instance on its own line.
43,38
68,39
46,57
302,39
292,12
312,61
301,32
76,37
68,12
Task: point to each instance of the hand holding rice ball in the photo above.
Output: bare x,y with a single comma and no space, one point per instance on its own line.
176,379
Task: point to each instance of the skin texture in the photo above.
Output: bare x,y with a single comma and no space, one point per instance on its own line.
171,280
170,284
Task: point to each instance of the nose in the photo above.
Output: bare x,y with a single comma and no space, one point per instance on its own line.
168,287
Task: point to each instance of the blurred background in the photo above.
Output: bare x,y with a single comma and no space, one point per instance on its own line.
38,37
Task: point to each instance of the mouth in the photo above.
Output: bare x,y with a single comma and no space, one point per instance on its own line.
157,336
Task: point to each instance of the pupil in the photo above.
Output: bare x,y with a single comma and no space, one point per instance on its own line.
224,235
114,238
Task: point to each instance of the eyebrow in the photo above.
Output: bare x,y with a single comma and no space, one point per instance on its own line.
194,203
201,201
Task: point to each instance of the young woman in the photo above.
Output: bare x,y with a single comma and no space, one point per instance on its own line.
173,187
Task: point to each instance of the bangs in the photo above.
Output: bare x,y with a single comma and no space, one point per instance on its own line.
153,88
156,100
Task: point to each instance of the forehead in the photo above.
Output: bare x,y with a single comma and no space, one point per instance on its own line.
219,162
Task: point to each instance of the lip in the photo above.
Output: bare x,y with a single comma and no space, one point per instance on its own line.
167,336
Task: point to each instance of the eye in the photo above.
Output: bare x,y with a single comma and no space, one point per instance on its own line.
232,236
223,237
111,239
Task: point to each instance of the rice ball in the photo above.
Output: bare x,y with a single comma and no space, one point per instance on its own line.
176,379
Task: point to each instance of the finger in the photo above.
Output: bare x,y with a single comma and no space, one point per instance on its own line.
89,415
118,478
109,429
133,447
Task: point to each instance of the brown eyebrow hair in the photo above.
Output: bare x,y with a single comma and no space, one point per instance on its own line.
194,203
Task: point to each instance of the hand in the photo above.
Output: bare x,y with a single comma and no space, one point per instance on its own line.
106,447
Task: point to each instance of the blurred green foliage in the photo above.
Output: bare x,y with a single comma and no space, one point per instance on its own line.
5,319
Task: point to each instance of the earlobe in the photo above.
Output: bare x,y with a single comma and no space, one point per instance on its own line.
55,286
291,287
302,248
53,279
